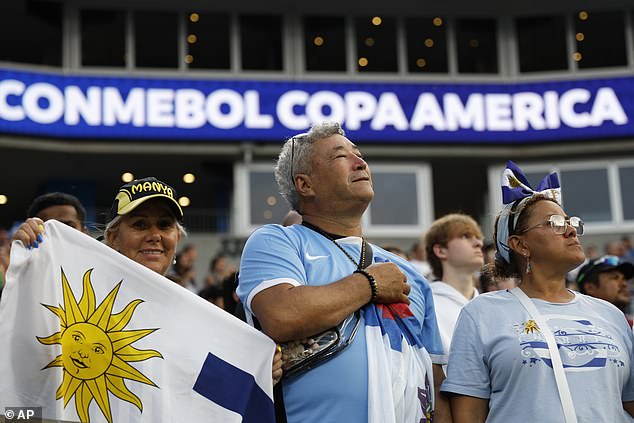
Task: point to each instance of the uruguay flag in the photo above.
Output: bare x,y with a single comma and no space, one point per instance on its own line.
400,378
515,185
90,335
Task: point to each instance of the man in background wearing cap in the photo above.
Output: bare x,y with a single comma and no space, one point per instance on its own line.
607,278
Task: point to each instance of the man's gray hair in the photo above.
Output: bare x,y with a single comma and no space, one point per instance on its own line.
298,149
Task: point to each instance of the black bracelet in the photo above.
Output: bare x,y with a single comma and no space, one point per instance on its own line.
371,280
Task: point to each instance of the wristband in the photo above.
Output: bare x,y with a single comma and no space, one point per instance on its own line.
371,280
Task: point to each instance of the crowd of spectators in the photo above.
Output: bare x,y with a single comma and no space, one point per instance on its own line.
219,283
451,255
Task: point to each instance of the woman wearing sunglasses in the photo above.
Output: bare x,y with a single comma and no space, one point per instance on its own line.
539,352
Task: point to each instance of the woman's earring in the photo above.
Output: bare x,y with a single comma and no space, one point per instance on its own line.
528,264
174,260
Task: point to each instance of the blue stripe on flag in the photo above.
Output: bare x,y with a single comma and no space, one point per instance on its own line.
235,390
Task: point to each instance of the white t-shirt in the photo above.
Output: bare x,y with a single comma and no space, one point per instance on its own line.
448,302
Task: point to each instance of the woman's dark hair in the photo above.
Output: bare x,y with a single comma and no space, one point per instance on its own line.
500,268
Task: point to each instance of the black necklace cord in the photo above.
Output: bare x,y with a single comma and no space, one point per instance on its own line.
361,264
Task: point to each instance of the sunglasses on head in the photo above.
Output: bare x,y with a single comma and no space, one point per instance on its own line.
296,137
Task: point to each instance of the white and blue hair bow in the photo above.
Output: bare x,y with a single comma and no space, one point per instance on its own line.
515,191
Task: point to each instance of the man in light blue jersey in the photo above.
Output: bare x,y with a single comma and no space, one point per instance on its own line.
302,280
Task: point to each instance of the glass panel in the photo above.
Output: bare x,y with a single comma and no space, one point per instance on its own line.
376,44
261,42
103,38
325,44
208,43
31,32
477,45
541,43
156,39
399,199
576,184
600,38
426,44
626,176
267,205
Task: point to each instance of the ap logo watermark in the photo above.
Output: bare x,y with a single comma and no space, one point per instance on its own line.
32,414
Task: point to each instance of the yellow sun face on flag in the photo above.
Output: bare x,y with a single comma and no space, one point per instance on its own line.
514,182
531,326
96,350
87,351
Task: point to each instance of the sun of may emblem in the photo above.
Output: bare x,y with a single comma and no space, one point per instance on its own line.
96,350
514,182
531,326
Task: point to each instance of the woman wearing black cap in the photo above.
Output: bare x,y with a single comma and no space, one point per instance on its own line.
145,223
144,226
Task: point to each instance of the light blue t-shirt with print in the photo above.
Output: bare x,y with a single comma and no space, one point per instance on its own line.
337,390
498,353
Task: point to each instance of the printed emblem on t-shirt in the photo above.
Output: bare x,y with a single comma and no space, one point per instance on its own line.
582,345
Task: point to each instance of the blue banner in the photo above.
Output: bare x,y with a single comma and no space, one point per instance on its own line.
62,106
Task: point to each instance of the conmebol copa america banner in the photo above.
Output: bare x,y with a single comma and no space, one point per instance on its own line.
55,105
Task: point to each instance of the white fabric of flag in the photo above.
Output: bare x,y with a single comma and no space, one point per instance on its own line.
91,335
400,373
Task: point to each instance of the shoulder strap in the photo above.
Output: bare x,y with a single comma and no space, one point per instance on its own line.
558,367
278,402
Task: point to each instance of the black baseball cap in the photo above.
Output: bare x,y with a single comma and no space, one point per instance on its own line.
135,193
604,264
